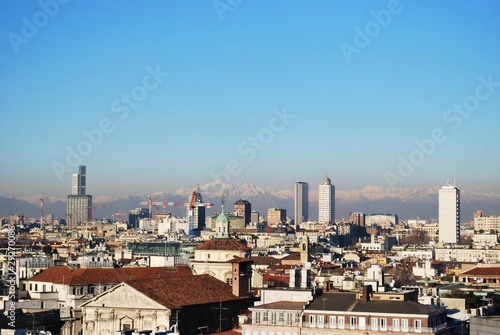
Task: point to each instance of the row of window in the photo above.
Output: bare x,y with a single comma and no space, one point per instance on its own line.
274,318
360,322
75,290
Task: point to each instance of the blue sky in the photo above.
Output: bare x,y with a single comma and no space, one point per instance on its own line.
360,81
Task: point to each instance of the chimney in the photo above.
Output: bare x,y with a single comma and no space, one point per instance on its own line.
294,278
305,280
367,289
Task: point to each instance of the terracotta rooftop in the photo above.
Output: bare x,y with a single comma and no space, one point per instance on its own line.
483,270
86,276
176,292
222,244
265,260
294,256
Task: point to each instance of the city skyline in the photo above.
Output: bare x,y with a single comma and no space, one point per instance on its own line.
167,95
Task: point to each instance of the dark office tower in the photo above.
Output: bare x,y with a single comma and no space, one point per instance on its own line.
243,208
134,215
357,218
301,202
79,205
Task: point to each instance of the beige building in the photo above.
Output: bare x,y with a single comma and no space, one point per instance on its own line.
276,215
348,313
466,254
487,223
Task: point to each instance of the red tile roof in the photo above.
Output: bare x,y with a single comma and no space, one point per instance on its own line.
176,292
265,260
222,244
483,270
86,276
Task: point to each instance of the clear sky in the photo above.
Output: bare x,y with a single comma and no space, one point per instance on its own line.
156,95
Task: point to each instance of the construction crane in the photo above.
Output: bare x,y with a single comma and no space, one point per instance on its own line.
94,208
119,214
191,204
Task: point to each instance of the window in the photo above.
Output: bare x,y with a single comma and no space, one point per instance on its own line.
265,318
418,325
333,321
289,319
404,324
257,317
383,323
395,324
354,322
341,322
297,318
312,320
374,323
281,317
273,318
31,287
321,320
36,287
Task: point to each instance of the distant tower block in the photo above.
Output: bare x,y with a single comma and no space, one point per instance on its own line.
243,208
301,202
326,209
449,214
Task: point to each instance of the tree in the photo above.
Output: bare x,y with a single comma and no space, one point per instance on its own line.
47,249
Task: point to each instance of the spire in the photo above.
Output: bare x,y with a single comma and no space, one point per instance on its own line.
326,180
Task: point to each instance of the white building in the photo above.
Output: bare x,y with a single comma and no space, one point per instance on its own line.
449,214
326,201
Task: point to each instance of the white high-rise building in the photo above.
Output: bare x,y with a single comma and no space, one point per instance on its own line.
301,202
326,201
449,214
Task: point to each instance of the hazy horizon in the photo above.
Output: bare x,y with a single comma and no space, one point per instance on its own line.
156,96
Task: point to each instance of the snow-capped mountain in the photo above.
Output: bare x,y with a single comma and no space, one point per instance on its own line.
406,202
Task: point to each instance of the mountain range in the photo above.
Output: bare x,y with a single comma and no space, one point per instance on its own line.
406,202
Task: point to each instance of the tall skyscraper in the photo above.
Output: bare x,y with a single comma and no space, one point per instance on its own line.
326,199
79,205
301,202
449,214
79,181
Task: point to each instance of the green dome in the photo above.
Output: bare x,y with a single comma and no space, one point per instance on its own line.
222,216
